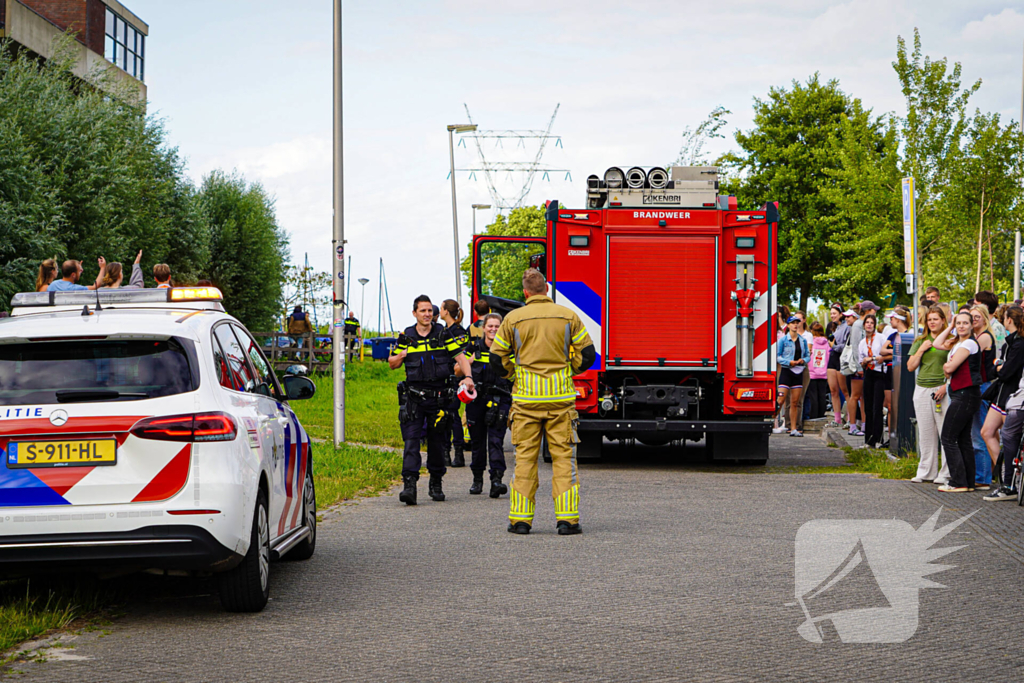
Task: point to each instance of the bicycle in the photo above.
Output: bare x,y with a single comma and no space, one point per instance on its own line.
1018,475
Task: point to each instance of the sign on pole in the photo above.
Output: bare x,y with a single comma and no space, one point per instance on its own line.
910,246
909,228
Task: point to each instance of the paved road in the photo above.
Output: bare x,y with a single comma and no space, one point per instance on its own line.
683,573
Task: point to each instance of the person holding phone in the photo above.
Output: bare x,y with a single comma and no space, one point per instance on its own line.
793,355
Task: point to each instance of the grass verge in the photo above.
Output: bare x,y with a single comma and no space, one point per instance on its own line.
859,461
371,417
31,607
350,471
877,462
371,405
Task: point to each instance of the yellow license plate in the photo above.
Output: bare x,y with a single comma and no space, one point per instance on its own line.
70,453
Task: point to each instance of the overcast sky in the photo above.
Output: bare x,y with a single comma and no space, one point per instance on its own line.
246,84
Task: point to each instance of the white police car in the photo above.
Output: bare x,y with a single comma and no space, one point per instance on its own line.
145,429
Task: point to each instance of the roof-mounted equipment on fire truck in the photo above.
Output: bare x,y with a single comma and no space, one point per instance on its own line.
689,187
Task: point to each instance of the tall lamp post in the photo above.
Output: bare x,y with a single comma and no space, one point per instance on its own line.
338,243
362,306
456,128
475,207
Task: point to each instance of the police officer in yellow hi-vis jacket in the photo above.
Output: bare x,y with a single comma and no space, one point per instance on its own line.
543,345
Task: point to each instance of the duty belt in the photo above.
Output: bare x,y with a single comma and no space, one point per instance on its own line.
424,394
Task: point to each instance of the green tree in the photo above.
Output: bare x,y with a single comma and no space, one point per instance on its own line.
502,265
787,158
930,134
248,251
978,211
866,231
30,217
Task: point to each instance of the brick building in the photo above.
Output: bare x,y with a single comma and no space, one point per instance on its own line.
106,32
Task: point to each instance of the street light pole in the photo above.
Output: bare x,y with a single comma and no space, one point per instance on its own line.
1016,237
475,207
456,128
338,244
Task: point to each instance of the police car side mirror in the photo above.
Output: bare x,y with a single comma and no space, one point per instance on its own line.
298,388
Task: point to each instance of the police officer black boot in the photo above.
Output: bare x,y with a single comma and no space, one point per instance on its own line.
478,483
497,488
408,494
459,459
448,457
434,488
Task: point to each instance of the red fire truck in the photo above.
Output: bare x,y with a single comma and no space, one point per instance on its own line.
677,289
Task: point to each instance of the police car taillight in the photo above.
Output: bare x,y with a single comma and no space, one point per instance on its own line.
196,427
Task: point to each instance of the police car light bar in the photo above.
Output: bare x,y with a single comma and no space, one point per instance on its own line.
116,296
194,294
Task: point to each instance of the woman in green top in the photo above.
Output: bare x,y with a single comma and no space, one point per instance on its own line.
930,400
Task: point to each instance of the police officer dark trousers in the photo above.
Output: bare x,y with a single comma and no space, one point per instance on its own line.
450,314
488,412
428,352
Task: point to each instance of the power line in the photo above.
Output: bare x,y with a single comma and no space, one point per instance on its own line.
530,168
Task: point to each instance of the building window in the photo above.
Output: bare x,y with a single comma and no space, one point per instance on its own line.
124,46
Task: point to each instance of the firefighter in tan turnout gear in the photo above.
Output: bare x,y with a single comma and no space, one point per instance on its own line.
543,345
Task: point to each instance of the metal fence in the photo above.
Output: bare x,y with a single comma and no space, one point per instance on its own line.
313,350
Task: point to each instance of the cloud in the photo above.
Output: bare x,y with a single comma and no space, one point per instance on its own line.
990,32
308,153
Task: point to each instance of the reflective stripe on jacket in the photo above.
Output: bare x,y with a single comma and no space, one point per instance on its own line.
547,341
428,359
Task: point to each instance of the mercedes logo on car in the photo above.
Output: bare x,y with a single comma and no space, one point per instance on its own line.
58,418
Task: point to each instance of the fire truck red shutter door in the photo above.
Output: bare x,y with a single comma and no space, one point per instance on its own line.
661,300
